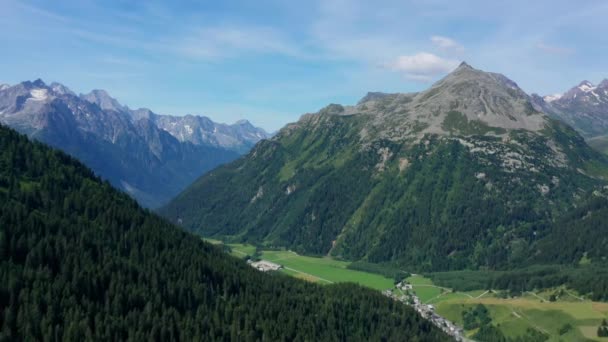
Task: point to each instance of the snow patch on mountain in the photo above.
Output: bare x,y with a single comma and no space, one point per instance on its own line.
551,98
39,94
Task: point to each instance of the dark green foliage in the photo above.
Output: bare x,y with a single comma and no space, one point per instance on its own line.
82,261
602,331
532,335
475,317
457,123
590,280
565,329
582,233
489,333
387,271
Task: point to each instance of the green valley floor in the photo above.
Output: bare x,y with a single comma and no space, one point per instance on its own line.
569,318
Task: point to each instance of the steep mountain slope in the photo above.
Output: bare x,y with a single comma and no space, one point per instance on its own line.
465,174
584,107
124,146
82,261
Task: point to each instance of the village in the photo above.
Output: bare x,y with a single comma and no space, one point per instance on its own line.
264,265
409,297
406,295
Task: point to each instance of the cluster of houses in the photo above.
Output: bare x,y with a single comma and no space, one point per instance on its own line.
406,295
427,311
264,265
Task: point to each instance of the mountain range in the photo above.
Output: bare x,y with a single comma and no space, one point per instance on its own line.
471,173
152,157
584,107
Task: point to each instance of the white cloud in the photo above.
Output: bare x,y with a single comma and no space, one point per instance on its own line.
422,66
447,44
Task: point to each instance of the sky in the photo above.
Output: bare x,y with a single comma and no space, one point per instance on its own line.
272,61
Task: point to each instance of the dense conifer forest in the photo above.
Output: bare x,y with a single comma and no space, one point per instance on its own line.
82,261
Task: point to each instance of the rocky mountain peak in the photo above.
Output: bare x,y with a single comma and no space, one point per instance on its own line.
103,100
60,89
585,85
33,84
243,122
584,107
39,83
490,99
464,65
4,86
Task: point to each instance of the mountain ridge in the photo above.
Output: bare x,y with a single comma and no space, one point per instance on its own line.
584,107
417,179
124,146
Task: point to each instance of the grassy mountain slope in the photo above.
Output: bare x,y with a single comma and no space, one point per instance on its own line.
82,261
464,175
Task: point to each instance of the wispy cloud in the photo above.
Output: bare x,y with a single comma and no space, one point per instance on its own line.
447,44
422,66
230,41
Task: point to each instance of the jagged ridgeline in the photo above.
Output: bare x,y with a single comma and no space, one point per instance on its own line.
465,174
81,261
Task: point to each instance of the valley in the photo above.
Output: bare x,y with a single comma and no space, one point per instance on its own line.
568,318
326,170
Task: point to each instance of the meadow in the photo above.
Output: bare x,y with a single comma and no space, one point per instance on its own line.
512,316
325,270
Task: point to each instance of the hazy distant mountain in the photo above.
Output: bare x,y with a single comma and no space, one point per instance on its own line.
200,130
584,107
133,149
466,174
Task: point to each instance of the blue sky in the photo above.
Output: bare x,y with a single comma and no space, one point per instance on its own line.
271,61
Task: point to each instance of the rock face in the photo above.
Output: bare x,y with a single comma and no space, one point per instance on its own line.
465,174
584,107
199,130
130,148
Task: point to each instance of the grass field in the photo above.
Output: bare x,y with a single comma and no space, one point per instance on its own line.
325,270
512,316
241,250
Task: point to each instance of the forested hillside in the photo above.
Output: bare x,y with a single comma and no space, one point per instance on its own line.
464,175
82,261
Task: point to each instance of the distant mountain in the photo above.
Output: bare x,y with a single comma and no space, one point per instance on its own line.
199,130
80,261
133,149
466,174
584,107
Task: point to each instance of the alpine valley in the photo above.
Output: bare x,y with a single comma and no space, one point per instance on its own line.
469,174
152,157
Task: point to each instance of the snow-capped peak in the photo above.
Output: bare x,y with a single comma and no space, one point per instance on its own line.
4,86
586,86
551,98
